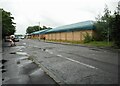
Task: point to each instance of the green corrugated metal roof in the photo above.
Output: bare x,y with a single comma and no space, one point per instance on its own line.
86,25
39,32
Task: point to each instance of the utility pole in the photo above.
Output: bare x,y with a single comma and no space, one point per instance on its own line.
108,36
39,29
119,7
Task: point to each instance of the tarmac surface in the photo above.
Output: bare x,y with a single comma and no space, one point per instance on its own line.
39,62
18,68
69,64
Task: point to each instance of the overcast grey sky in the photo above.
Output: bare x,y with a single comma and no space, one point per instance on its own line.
54,13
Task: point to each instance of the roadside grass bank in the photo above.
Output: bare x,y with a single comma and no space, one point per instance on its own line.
92,43
100,44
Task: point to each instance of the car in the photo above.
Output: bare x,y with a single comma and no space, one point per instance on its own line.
16,39
22,37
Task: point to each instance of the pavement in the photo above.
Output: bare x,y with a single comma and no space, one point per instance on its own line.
68,64
18,68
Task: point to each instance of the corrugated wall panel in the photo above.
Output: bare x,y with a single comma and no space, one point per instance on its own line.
69,36
57,36
77,36
63,36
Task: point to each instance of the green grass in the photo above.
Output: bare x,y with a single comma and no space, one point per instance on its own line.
100,43
92,43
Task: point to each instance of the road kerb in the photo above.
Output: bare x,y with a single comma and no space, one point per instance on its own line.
51,74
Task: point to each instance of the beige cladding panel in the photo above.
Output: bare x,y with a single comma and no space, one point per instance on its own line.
53,36
49,36
63,36
57,36
76,36
69,36
46,36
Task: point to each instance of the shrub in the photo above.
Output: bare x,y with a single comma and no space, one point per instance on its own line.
88,38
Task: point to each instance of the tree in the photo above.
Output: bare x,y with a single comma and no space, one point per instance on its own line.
108,26
103,32
8,27
44,27
31,29
115,26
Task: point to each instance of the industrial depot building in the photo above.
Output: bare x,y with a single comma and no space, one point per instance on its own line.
72,32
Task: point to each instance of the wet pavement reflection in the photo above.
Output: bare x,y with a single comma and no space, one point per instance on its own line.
18,68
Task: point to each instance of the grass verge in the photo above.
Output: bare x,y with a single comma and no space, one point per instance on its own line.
92,43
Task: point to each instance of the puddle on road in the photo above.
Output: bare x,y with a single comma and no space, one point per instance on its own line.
40,77
22,79
49,47
94,49
24,43
46,48
19,53
42,49
24,58
20,50
19,47
37,72
28,68
23,62
13,53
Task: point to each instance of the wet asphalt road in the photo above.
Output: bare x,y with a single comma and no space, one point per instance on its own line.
18,68
30,60
69,64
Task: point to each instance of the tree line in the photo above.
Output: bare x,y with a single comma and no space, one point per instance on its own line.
32,29
108,27
8,26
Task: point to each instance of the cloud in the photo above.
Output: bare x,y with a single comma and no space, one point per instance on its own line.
54,13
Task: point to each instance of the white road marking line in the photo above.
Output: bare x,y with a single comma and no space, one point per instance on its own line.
90,66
